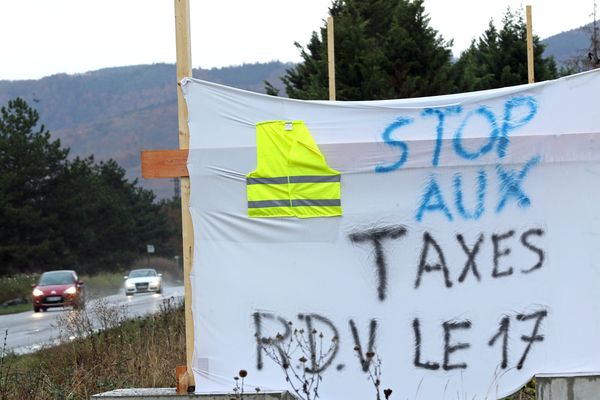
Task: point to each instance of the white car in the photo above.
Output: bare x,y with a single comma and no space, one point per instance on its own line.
143,281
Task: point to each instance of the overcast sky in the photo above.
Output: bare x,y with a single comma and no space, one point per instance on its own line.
44,37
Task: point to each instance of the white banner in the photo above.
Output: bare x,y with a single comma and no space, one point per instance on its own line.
464,262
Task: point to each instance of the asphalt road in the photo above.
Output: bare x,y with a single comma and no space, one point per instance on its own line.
29,331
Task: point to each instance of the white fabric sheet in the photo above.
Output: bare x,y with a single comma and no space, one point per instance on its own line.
509,176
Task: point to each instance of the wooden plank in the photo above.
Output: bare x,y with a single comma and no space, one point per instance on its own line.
331,57
530,69
184,69
158,164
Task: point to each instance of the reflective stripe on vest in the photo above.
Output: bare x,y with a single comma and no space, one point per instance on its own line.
292,178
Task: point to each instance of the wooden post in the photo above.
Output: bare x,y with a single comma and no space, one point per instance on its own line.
331,58
530,70
184,69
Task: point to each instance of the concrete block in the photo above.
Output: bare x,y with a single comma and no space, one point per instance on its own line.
169,394
568,388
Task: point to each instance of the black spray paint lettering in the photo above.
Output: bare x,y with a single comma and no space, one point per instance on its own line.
314,323
275,341
417,358
504,330
376,236
450,326
535,337
425,266
452,342
433,259
315,368
524,240
470,265
449,346
501,248
498,253
365,361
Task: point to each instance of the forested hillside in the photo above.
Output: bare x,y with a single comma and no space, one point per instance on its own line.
58,213
116,112
568,45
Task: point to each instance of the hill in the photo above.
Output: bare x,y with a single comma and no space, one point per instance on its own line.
116,112
567,45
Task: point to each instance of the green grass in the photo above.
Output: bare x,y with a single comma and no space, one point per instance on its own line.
15,309
17,286
103,284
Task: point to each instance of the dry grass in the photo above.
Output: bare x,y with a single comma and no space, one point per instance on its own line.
526,393
103,284
135,353
16,286
18,308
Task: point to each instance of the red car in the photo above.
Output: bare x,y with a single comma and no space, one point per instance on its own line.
57,289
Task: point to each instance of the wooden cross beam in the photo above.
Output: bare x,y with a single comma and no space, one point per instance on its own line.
159,164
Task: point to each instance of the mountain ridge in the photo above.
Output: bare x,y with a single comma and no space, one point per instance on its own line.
117,111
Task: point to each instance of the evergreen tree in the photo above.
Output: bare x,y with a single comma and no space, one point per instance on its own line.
171,209
106,219
384,49
30,164
56,213
499,58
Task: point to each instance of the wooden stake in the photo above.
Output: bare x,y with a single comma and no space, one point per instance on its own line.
331,58
184,69
530,69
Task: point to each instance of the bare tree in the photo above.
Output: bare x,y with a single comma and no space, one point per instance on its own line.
589,58
593,55
302,356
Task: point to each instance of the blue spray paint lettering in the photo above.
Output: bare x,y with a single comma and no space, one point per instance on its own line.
441,115
433,200
509,125
489,116
518,111
387,138
458,196
510,184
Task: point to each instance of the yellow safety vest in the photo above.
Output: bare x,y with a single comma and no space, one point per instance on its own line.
292,178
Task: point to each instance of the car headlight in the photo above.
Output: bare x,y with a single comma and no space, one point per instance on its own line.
129,284
37,292
71,290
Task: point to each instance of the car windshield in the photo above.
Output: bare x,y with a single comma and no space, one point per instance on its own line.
57,278
141,273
